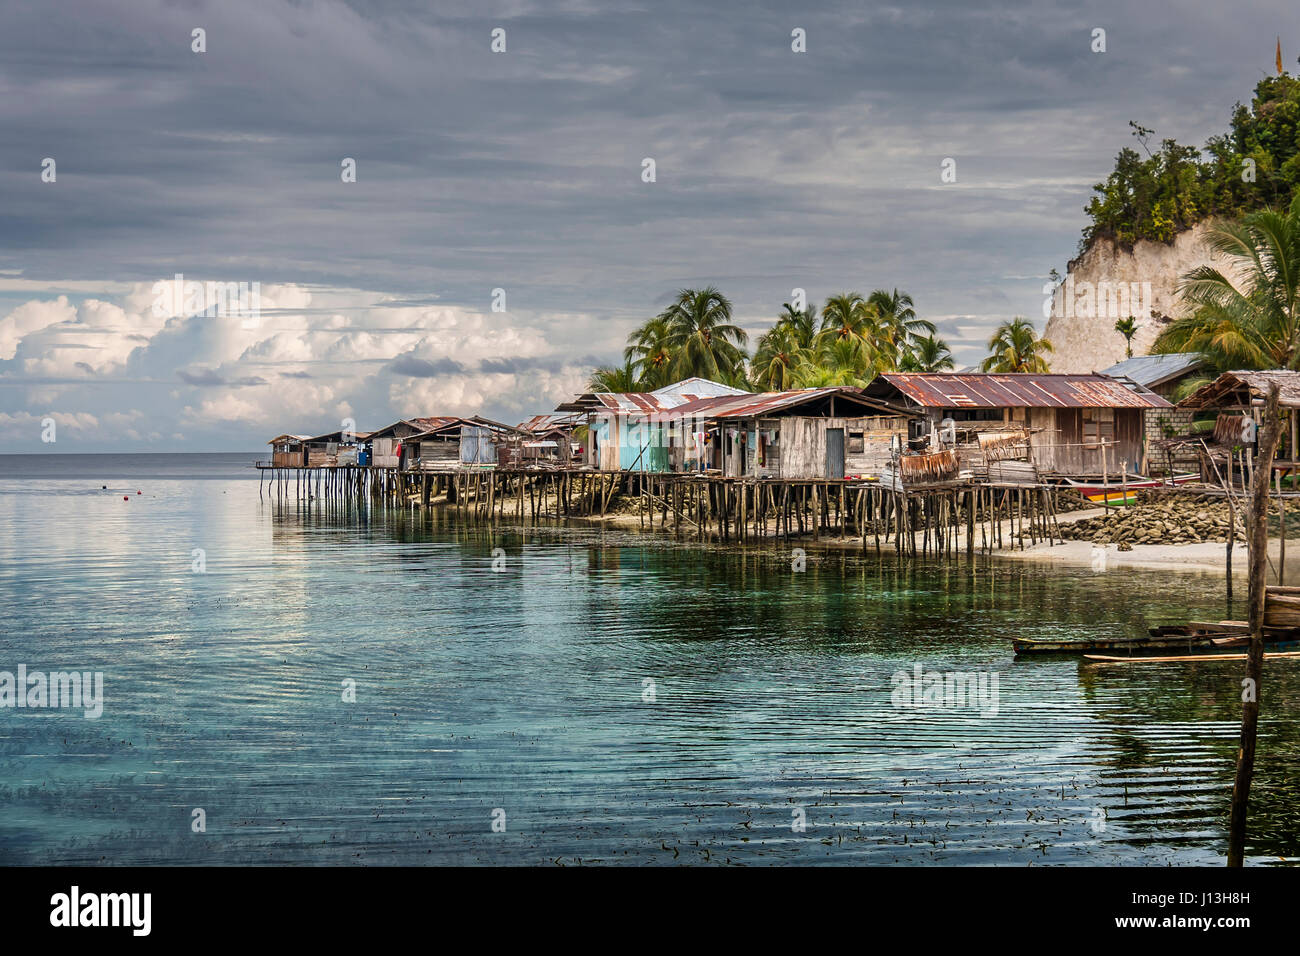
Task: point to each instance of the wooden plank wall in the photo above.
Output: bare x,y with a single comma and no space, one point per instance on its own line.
800,451
381,453
1056,442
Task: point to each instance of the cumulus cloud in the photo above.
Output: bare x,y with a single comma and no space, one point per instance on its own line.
309,360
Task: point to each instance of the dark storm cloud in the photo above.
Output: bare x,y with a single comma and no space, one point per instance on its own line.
211,378
424,368
521,170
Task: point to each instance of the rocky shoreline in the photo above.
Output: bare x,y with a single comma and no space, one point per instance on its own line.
1164,519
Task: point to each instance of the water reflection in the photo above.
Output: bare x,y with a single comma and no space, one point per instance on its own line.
507,667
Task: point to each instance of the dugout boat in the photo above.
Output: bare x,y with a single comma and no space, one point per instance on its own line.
1205,638
1123,490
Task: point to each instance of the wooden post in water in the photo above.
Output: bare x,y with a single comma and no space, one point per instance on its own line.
1105,478
1281,536
1257,534
1232,535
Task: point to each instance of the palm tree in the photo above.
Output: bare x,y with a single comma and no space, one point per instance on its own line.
1253,324
897,322
650,352
1016,347
782,349
608,378
1127,328
847,317
844,316
928,354
803,322
702,338
842,361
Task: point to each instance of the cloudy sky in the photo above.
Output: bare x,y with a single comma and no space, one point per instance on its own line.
521,171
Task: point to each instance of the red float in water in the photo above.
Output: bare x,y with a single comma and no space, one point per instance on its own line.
126,497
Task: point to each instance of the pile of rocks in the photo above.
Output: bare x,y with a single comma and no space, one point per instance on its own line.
1171,519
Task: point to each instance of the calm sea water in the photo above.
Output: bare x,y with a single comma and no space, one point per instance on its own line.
607,697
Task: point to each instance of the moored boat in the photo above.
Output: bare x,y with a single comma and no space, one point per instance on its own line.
1122,490
1189,639
1192,658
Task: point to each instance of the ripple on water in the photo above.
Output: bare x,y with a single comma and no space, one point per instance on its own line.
622,699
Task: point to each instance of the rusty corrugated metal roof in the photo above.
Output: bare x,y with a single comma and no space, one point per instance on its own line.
424,424
548,422
651,403
1019,390
764,403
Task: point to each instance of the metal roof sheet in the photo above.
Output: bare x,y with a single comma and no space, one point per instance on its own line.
1152,370
1017,390
280,439
426,423
336,436
548,422
754,406
651,403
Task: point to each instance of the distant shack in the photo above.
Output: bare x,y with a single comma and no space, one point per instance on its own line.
289,451
335,448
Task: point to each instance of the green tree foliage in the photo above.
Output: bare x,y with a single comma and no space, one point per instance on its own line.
650,351
609,378
898,328
851,340
1128,328
1256,164
928,354
783,349
702,338
1016,347
1252,322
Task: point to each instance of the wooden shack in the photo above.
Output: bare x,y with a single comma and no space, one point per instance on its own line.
1241,394
289,451
833,432
1079,426
334,449
457,443
632,431
544,441
389,446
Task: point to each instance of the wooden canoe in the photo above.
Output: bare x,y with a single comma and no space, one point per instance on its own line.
1168,638
1183,658
1025,646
